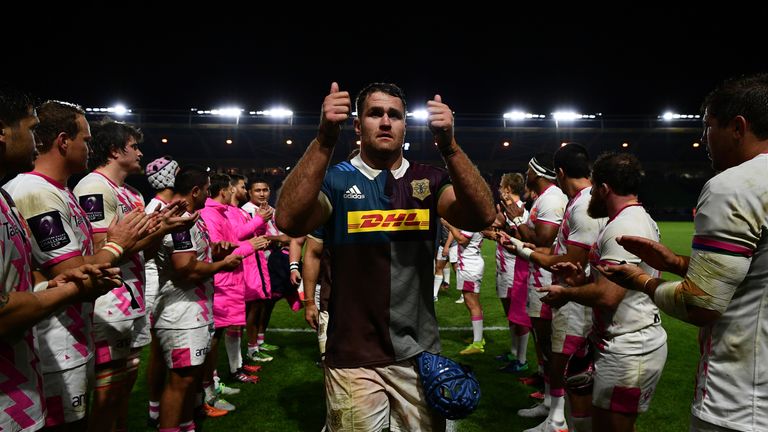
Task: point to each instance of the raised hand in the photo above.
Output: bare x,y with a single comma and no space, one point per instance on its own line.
570,273
260,242
221,249
440,120
337,108
266,212
624,275
92,280
555,295
232,261
128,230
654,254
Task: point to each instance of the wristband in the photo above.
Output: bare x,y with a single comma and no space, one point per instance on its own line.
645,285
114,248
518,220
294,266
449,150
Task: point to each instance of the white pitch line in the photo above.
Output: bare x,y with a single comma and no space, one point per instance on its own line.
309,330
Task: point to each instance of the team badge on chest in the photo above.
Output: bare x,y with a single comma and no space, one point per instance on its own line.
420,189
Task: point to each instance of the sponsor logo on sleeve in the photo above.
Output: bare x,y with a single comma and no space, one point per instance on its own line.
93,206
182,240
48,230
388,220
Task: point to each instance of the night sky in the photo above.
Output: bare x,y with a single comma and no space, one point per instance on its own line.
484,62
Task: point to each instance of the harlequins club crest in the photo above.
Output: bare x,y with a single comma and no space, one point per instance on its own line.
420,189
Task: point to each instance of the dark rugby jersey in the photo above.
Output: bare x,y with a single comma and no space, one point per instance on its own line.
381,240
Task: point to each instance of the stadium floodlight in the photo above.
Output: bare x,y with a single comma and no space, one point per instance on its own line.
276,112
164,140
406,146
625,144
233,112
420,114
505,144
228,141
289,141
669,116
520,115
566,115
119,110
696,145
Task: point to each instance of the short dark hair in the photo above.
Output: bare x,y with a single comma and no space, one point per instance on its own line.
258,180
386,88
108,136
219,181
573,158
747,96
15,105
234,178
56,117
188,177
621,171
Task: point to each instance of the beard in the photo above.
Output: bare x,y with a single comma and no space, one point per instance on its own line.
597,208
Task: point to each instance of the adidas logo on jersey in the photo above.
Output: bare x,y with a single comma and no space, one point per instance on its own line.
354,193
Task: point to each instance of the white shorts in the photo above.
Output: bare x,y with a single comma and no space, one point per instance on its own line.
625,383
453,253
504,281
467,282
570,326
440,256
141,336
66,394
366,399
534,307
112,340
185,347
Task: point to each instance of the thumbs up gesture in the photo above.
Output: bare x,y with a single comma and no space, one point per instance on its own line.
440,121
337,107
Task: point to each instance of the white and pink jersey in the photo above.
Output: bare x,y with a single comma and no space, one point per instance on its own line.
549,209
102,201
152,285
21,394
578,228
60,231
635,326
471,264
505,260
732,219
181,304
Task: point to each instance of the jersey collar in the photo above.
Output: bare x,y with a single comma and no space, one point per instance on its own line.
371,173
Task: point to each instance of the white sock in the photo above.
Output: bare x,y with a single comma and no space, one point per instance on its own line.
447,274
234,354
252,348
436,285
557,409
522,347
154,410
547,397
260,338
477,328
513,335
188,426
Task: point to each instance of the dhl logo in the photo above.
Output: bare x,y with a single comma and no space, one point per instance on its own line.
388,220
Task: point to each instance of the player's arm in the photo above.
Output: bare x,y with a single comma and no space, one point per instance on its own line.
468,202
301,206
189,269
601,293
573,254
22,310
701,297
310,272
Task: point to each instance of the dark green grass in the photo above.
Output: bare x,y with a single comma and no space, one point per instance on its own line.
290,395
